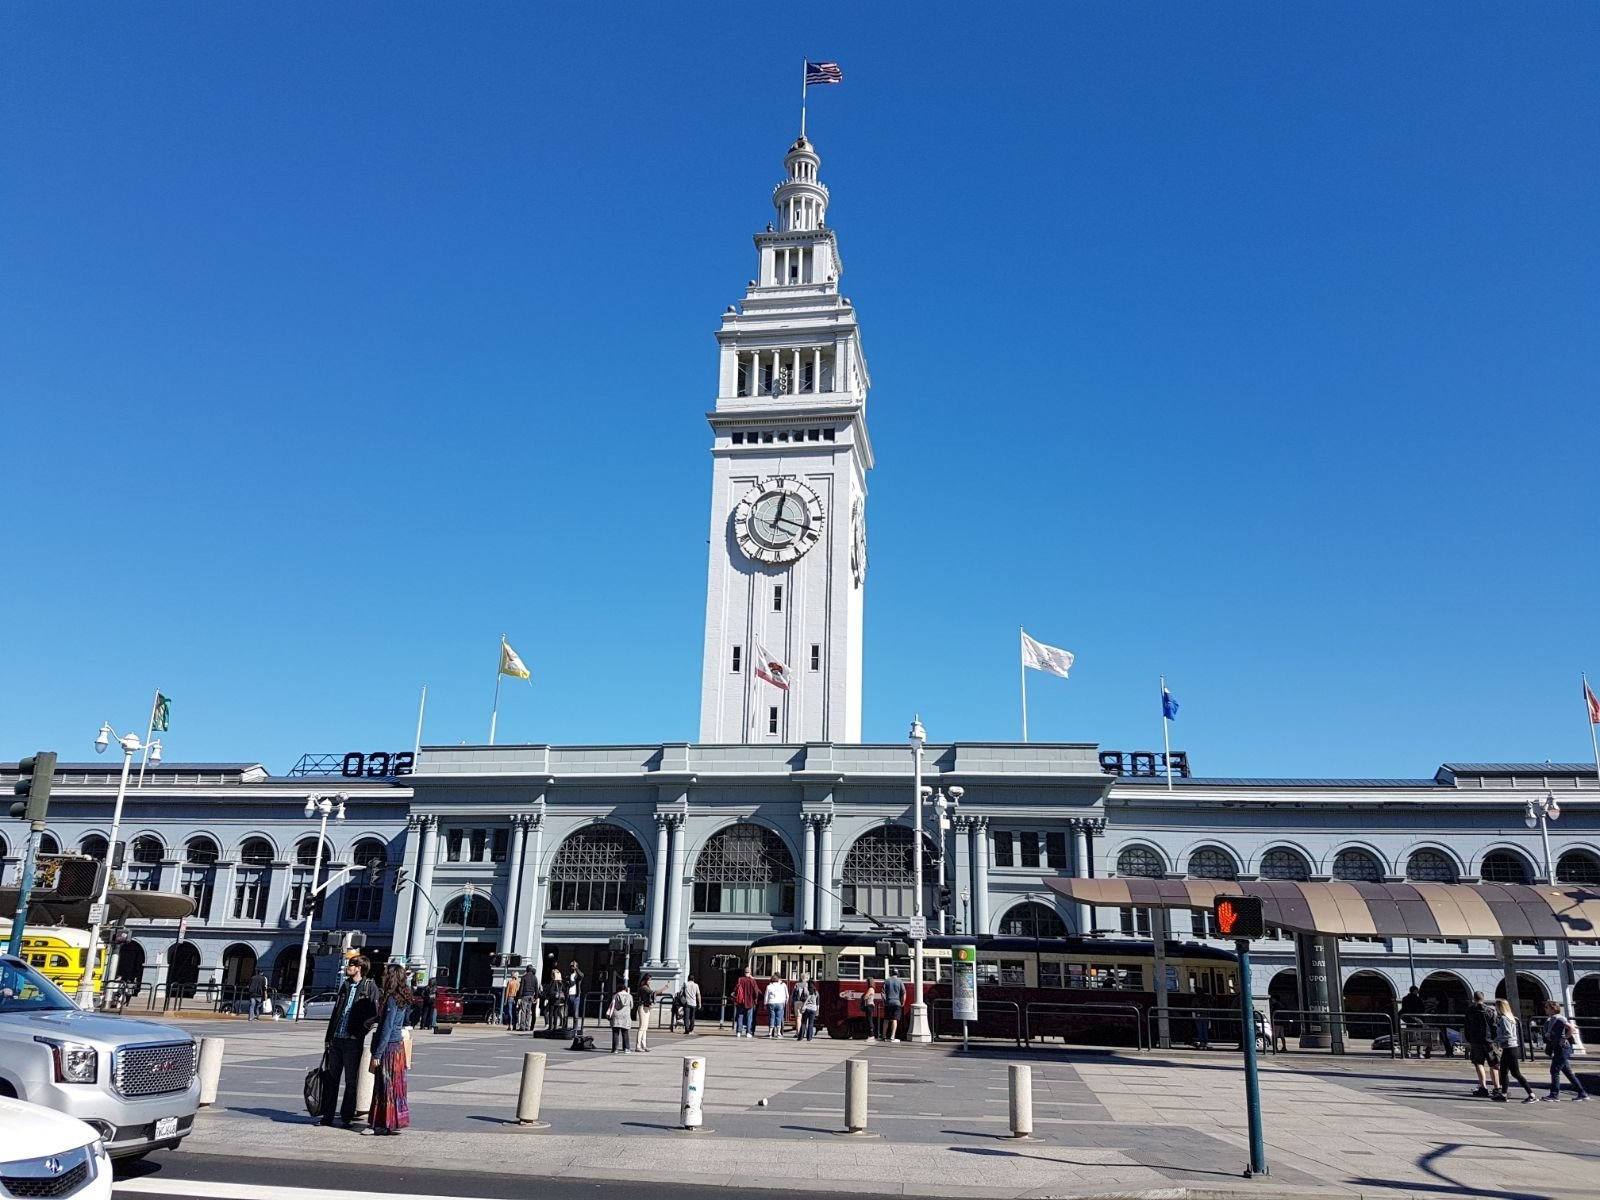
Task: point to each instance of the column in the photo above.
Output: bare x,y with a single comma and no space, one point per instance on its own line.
1080,870
400,936
421,912
508,927
167,876
816,368
980,876
658,891
794,375
777,365
825,877
530,924
808,886
961,873
278,875
227,879
675,890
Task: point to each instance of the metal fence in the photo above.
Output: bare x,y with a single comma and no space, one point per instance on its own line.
993,1016
1338,1026
1037,1014
1202,1026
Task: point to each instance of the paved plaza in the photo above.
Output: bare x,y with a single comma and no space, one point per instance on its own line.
1106,1123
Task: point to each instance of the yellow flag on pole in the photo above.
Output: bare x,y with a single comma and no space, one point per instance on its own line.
510,664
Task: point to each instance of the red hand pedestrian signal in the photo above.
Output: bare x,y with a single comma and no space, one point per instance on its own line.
1238,917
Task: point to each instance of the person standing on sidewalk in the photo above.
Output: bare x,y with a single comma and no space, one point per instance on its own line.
575,996
894,999
620,1014
1508,1041
355,1011
870,1000
777,999
809,1007
509,1014
1560,1035
691,1003
1479,1031
644,998
390,1112
258,993
746,995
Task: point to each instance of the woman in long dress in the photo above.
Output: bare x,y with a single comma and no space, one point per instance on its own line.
390,1111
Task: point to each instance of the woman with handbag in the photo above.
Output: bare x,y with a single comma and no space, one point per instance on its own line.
390,1112
644,997
620,1014
1509,1042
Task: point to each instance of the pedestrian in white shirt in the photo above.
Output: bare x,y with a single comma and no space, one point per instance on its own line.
777,1000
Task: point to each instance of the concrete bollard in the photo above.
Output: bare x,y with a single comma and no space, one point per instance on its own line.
694,1092
531,1093
364,1083
1021,1101
210,1068
855,1095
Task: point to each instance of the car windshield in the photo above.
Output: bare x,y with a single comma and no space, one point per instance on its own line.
22,989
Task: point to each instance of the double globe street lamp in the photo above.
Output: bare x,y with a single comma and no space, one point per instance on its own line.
131,745
326,806
1540,812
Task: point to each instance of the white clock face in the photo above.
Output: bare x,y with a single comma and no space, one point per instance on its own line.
778,520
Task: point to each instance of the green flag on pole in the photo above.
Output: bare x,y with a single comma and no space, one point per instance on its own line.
161,714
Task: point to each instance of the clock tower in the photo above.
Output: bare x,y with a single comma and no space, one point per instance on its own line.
789,462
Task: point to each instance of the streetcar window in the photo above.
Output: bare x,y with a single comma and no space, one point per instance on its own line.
761,964
873,968
1013,972
850,966
1051,974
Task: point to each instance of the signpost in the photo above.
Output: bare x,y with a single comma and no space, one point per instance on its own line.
964,987
1240,918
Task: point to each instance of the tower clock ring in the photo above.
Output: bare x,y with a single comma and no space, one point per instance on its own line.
778,520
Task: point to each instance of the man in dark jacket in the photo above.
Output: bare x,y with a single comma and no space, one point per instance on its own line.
1479,1031
355,1012
258,993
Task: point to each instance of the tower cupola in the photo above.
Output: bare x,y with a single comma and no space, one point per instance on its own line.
801,199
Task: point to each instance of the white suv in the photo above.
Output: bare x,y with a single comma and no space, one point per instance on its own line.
134,1081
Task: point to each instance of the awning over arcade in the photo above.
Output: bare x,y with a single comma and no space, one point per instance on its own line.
1345,909
121,906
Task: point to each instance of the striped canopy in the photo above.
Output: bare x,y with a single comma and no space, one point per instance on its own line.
1447,910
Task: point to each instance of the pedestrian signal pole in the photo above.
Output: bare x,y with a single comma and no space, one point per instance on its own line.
1240,918
34,777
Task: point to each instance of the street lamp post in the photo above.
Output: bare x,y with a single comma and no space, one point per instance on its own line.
966,899
461,942
919,922
1541,811
131,745
327,806
942,807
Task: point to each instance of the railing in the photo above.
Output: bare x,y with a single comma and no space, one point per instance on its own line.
1102,1011
988,1012
1207,1025
1336,1025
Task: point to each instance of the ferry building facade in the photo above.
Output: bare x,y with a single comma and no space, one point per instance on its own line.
778,818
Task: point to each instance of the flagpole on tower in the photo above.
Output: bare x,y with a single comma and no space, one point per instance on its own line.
1594,723
149,732
499,670
422,707
804,64
1166,732
1022,666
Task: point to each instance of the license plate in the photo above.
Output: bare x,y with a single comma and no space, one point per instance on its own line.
166,1127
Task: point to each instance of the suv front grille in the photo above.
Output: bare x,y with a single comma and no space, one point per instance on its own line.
153,1070
46,1176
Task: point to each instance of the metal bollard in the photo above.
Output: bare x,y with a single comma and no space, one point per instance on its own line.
365,1080
210,1068
855,1095
532,1091
1021,1101
694,1092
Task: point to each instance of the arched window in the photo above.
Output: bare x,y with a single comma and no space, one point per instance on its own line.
361,898
1578,866
256,852
147,849
879,875
744,869
305,852
1032,920
1357,866
49,843
201,851
1212,862
1141,861
369,850
598,869
1505,866
1430,866
94,846
1284,863
481,915
197,880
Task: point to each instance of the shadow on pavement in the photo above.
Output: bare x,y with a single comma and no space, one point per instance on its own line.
280,1116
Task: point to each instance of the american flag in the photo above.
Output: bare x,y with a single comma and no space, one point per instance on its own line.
823,73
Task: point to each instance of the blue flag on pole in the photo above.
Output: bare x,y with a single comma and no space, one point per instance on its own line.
1169,706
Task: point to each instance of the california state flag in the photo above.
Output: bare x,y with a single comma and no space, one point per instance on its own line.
770,667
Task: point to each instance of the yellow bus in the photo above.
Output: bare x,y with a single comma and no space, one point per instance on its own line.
58,952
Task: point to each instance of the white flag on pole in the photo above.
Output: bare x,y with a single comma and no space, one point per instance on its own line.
1045,658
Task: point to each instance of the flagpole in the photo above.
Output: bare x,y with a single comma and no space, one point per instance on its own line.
416,748
1166,732
802,98
1022,666
495,714
1594,743
149,731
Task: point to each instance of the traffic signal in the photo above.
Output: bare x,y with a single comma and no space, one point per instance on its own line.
946,895
1238,917
34,774
402,877
78,879
375,870
496,959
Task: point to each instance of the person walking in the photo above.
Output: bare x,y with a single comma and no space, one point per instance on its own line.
258,994
390,1111
894,1000
809,1007
1479,1031
620,1014
691,1003
509,1007
871,1001
1508,1041
644,998
527,998
575,996
355,1012
777,1000
797,995
430,1007
746,995
1560,1035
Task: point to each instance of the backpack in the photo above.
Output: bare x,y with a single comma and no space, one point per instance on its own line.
1480,1023
1553,1042
582,1041
316,1082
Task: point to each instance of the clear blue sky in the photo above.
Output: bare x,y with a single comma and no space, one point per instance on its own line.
1255,344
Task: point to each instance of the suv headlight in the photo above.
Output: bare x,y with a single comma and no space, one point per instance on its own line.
74,1061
